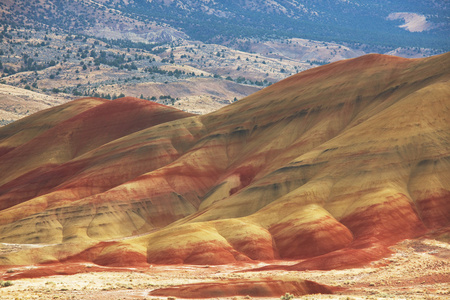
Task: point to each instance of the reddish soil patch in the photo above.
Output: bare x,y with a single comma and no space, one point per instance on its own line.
435,210
55,269
266,288
346,258
312,239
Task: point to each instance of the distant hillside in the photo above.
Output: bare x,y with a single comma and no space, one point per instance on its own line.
374,23
340,21
332,165
16,103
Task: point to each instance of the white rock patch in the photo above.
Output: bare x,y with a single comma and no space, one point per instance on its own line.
413,22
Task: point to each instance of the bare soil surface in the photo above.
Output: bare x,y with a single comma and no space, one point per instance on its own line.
16,103
417,269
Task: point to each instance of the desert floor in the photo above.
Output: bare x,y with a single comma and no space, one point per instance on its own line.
416,269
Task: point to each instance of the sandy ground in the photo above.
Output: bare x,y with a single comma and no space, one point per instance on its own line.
417,269
16,103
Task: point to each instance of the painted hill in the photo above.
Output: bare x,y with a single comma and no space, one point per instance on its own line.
331,165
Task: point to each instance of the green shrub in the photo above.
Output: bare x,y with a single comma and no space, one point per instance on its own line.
5,283
287,296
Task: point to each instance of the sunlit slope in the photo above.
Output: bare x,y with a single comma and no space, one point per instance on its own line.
22,131
332,164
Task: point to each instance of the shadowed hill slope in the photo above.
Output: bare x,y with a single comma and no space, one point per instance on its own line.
331,165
